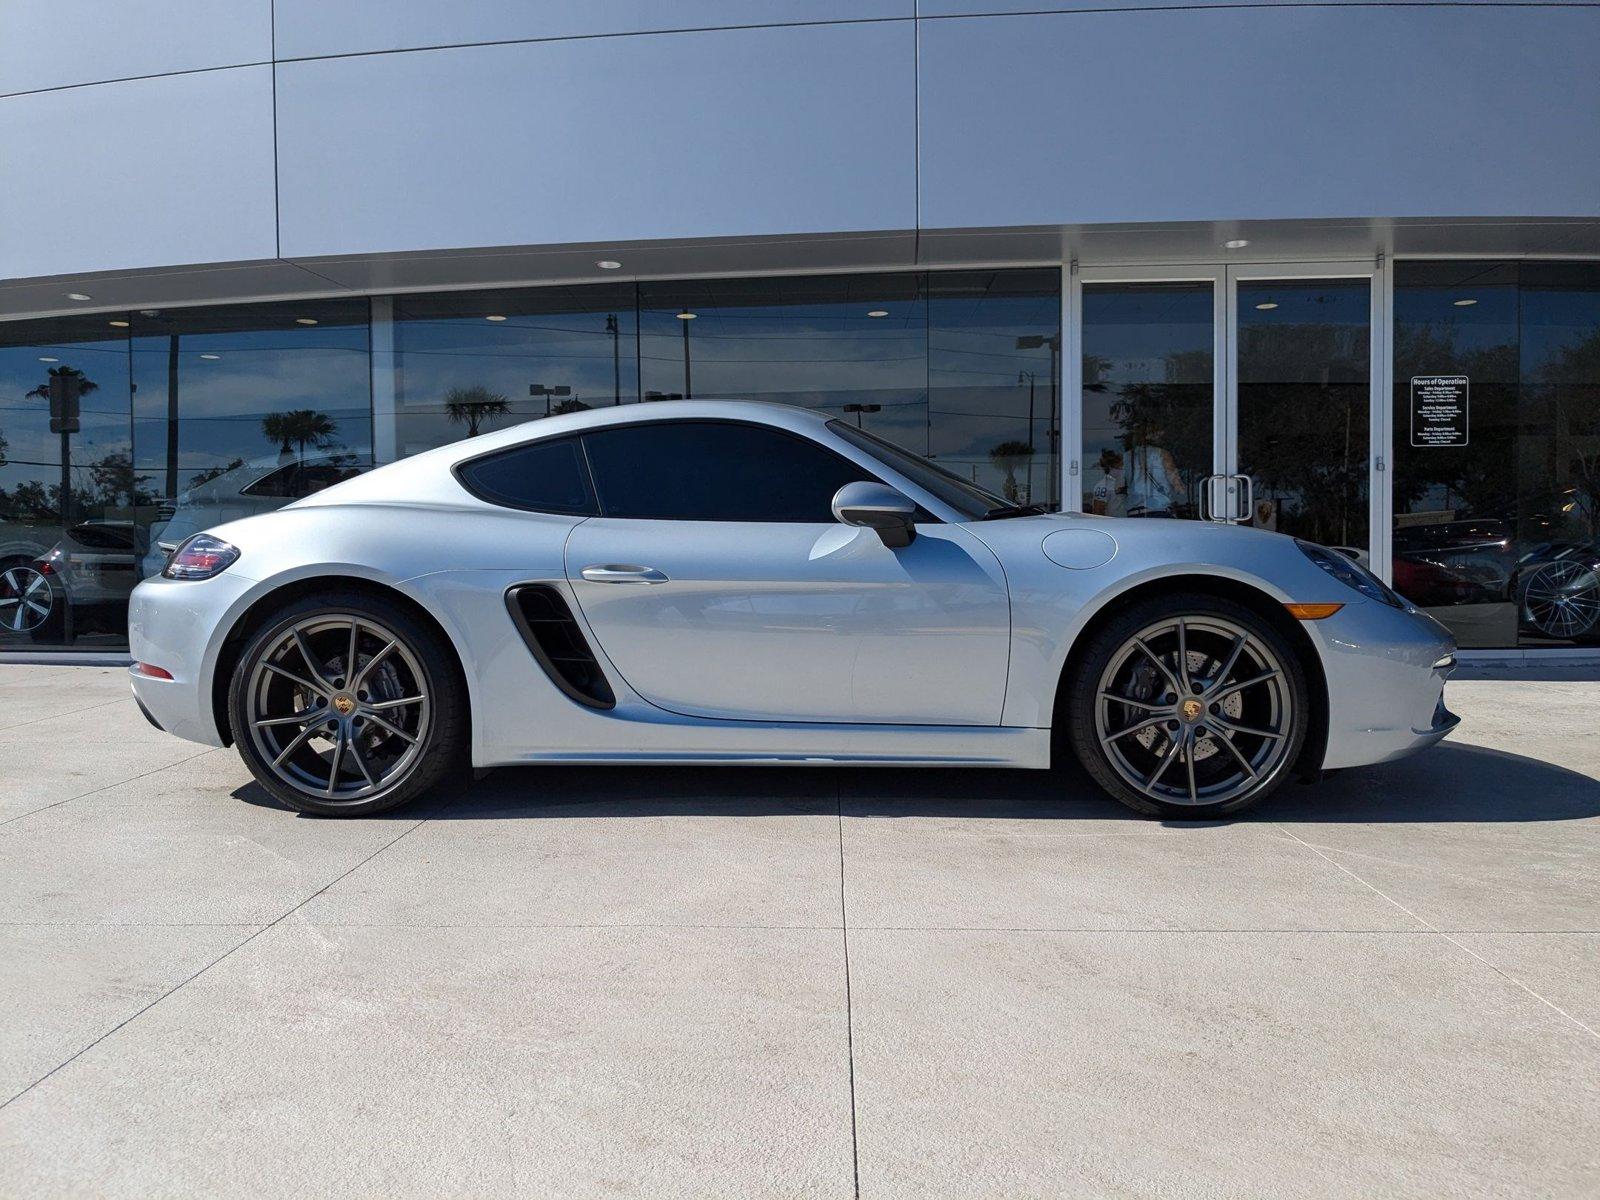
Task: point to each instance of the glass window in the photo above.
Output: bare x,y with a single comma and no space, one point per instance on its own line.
69,490
994,370
961,367
1148,390
1557,586
468,362
548,476
715,471
226,397
1495,517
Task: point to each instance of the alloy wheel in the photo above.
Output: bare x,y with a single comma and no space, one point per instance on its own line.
338,707
1562,599
1195,711
25,599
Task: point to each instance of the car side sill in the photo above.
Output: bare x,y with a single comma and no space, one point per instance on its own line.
750,744
758,759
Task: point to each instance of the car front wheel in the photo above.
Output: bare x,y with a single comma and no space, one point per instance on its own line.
347,704
1188,706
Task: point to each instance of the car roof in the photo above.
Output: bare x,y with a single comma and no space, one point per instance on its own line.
786,416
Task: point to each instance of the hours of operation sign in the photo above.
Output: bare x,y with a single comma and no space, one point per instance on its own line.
1438,410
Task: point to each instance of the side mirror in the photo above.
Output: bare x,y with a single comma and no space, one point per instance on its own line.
879,507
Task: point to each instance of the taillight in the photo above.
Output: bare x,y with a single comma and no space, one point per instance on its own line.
201,557
153,671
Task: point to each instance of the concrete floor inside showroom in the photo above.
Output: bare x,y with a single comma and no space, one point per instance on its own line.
686,982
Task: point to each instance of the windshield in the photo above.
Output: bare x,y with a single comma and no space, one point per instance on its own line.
970,500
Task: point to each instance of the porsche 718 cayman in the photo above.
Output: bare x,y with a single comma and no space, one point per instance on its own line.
717,582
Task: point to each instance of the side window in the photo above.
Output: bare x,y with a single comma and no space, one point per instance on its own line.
715,471
542,476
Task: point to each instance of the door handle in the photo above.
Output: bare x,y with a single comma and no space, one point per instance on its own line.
620,573
1247,507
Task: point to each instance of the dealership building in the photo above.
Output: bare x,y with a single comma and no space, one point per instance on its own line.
1331,269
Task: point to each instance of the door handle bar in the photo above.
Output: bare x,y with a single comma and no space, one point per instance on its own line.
618,573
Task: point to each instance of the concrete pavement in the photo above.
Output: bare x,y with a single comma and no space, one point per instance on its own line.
797,982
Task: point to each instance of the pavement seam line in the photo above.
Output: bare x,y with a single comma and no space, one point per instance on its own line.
849,1011
57,716
66,1062
107,787
1512,979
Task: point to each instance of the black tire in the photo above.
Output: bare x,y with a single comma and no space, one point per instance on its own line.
1111,649
440,733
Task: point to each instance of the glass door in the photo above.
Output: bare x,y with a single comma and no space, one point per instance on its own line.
1150,373
1240,394
1299,402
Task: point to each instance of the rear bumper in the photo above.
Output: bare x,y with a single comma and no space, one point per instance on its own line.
179,626
1386,670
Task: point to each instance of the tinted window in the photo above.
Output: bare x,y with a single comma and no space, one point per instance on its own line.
543,476
710,471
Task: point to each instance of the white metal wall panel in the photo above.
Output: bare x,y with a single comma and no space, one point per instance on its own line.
715,134
315,27
145,173
1283,112
61,43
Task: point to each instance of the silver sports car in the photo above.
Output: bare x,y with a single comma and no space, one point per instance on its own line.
720,582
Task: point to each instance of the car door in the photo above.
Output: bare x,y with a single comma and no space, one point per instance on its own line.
719,585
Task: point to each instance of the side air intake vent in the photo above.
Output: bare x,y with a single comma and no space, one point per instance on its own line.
550,630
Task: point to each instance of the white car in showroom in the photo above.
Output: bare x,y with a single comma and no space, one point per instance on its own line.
717,582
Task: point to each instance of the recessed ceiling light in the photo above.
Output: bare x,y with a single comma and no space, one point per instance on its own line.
1465,303
1236,244
46,358
1267,305
878,312
79,296
211,357
118,324
608,264
687,316
305,320
495,317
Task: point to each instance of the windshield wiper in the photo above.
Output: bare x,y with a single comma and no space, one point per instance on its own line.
1013,510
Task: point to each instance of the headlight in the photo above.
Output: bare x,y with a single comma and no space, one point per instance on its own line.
201,557
1351,574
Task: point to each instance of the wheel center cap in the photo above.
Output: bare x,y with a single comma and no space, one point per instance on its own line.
1191,709
344,705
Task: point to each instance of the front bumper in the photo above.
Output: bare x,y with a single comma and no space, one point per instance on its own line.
179,626
1386,670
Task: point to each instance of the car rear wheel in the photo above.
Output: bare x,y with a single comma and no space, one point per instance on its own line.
346,704
1188,706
